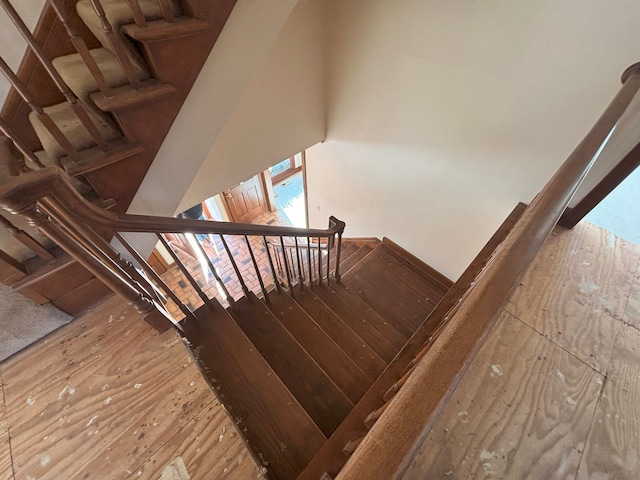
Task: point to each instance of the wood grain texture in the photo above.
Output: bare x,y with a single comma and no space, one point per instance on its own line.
97,398
396,289
576,303
209,446
6,467
613,448
523,410
632,310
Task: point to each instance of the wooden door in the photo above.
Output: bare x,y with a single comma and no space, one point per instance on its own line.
246,200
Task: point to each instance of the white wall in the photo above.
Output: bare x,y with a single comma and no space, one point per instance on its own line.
12,45
442,115
239,52
281,112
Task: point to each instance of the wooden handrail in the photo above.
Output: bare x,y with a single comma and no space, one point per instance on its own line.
392,442
18,193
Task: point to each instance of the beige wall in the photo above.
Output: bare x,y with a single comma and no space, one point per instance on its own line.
442,116
281,112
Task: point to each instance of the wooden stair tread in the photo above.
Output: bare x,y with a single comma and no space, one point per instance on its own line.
327,354
370,326
416,263
94,158
276,424
161,30
126,96
320,397
353,260
357,349
79,79
395,291
64,117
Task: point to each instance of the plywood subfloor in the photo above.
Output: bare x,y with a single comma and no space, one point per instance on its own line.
107,397
555,390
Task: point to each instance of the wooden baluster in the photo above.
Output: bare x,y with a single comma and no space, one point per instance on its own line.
328,259
6,131
85,236
81,47
227,295
257,269
136,11
45,119
292,263
118,46
27,240
155,277
167,10
309,264
273,271
235,266
78,106
336,275
185,272
114,280
300,273
374,416
319,262
286,264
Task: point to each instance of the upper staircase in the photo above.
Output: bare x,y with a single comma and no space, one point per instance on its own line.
96,94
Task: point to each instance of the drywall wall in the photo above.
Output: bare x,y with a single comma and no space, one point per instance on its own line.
442,116
281,112
12,45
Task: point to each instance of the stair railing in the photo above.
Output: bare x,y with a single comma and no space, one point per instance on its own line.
390,446
47,198
76,104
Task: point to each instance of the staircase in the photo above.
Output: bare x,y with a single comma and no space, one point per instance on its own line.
96,95
292,366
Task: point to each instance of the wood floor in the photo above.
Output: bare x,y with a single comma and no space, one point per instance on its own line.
107,397
554,393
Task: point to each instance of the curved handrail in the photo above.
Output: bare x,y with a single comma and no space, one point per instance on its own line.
388,449
19,194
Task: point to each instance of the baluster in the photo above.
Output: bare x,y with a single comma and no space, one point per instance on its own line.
85,236
300,274
111,277
6,131
336,274
81,48
328,259
26,239
234,265
118,46
292,263
136,11
228,296
45,119
257,269
167,10
185,272
78,106
286,264
273,271
319,263
155,277
309,264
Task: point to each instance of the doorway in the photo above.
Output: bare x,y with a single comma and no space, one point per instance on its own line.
247,200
